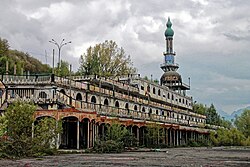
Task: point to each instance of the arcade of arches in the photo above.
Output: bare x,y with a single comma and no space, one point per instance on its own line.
82,129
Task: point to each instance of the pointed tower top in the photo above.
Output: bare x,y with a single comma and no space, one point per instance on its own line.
169,33
169,24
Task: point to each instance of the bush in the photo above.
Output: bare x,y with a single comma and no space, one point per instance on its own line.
225,137
16,132
109,146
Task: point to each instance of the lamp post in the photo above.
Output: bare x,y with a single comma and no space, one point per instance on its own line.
59,46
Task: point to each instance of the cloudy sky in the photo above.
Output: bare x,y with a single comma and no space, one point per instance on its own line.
212,38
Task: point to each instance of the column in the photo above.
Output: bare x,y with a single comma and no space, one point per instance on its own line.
180,137
177,137
170,137
166,135
143,137
174,138
58,137
88,136
78,135
138,136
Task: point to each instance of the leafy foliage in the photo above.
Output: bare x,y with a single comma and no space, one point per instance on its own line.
213,117
242,123
45,135
63,70
17,125
21,59
225,137
106,59
19,129
116,139
154,135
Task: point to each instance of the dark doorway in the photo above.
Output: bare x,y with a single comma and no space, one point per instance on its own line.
69,135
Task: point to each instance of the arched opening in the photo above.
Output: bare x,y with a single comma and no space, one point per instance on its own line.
168,96
126,105
62,91
172,97
153,90
69,135
135,132
106,102
150,112
42,95
117,104
84,126
159,92
135,107
143,109
79,97
148,88
93,99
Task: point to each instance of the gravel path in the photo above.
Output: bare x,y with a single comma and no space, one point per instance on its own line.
200,157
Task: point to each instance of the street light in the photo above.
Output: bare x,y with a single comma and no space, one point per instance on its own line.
59,46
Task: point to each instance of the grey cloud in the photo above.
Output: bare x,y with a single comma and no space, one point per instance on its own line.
210,39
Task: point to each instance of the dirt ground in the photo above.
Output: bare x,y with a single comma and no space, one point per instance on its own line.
219,156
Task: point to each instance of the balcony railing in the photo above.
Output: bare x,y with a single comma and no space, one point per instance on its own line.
123,113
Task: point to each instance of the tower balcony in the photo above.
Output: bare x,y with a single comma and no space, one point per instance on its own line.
164,65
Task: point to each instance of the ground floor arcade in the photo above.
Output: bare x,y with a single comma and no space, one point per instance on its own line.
82,129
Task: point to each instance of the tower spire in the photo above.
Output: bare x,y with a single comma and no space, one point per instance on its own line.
171,78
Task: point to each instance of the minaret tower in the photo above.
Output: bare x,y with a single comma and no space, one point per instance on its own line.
171,78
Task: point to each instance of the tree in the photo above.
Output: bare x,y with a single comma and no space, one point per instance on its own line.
45,135
4,47
19,119
116,139
225,137
4,50
17,125
242,123
63,70
106,59
200,108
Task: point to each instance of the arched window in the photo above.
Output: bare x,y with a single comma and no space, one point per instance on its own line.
143,109
150,111
135,107
106,102
162,113
126,105
168,96
153,90
172,97
93,99
159,92
156,112
117,104
79,96
148,88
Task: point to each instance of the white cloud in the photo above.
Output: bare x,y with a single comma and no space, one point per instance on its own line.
211,37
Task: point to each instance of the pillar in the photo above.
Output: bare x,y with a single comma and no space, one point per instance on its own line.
138,136
177,137
174,137
170,137
78,135
88,136
58,137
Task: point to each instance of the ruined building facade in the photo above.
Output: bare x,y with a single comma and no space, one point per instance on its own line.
85,104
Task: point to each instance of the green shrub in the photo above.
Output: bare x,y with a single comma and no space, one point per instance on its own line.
109,146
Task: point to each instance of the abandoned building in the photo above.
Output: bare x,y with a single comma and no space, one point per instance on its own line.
86,103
